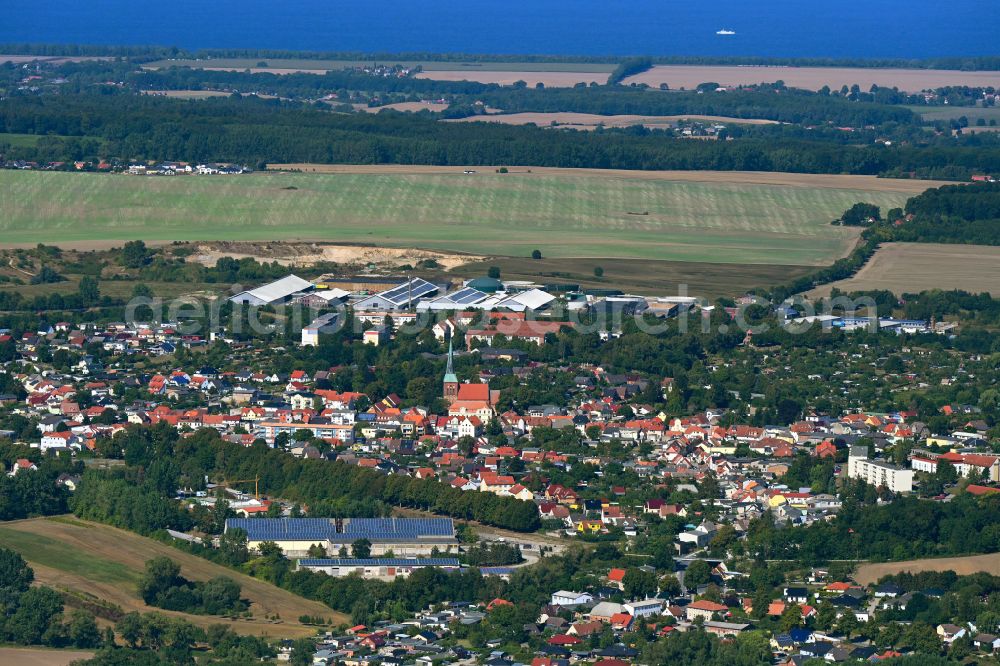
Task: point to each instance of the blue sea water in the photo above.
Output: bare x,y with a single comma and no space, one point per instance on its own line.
785,28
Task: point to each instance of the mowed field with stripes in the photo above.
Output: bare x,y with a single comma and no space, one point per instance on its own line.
710,217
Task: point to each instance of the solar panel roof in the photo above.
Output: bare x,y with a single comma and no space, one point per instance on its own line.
324,529
466,296
414,289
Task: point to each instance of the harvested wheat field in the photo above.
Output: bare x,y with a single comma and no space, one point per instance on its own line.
590,121
411,107
915,267
689,76
963,566
106,562
186,94
812,78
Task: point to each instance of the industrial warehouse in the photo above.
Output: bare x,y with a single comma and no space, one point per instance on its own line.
383,568
402,537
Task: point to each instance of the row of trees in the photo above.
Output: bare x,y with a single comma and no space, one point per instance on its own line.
134,498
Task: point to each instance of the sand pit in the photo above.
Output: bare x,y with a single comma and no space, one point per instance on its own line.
306,254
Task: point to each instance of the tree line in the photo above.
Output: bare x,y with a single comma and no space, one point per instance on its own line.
134,498
906,528
256,132
965,63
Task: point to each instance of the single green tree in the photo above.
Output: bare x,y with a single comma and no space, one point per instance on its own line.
361,549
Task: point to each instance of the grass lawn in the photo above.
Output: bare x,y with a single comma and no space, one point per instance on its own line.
565,215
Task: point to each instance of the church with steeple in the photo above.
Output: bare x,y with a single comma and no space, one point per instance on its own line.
450,384
472,399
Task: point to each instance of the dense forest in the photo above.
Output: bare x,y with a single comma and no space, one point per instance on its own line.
954,214
256,132
768,102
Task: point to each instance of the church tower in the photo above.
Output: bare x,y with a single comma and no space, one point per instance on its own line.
450,385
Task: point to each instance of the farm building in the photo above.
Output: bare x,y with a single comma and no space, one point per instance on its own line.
407,537
278,291
381,568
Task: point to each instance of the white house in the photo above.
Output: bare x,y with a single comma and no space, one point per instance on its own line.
566,598
644,608
699,536
56,440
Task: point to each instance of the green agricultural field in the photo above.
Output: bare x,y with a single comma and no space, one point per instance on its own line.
726,219
946,113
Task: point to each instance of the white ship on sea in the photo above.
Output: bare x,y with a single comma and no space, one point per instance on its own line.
725,32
